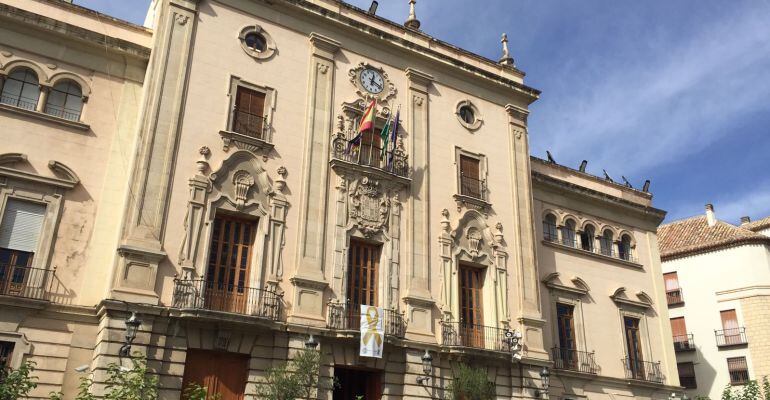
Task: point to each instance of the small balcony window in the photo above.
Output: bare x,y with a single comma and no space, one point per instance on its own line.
21,89
606,243
65,100
739,370
471,184
549,228
624,248
687,375
673,291
568,234
249,113
587,238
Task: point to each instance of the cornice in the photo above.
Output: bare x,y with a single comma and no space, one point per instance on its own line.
72,32
721,245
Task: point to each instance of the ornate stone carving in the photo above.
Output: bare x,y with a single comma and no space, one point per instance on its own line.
280,183
474,241
369,208
181,19
383,97
243,181
202,162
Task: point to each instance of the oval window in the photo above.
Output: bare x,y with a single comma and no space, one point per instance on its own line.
466,114
255,41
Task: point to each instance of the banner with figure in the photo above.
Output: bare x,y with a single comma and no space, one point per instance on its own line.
372,333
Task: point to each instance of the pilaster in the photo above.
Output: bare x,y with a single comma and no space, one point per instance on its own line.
141,248
309,281
529,314
418,297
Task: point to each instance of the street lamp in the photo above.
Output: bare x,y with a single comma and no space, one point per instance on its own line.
427,368
545,382
311,343
132,326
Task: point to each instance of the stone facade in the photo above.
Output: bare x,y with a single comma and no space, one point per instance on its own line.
140,186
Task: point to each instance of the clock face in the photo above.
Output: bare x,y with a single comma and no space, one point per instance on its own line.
372,81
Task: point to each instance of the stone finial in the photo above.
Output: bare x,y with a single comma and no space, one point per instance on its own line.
499,233
445,220
280,183
412,22
202,162
506,59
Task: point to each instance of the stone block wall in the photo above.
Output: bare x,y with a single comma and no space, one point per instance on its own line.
756,316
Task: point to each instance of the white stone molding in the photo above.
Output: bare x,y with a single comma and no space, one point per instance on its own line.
270,46
621,298
478,119
468,202
474,242
383,98
553,282
21,347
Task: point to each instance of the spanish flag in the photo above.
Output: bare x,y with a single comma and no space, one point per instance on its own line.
367,124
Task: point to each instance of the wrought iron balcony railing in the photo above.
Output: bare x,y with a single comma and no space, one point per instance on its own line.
473,187
674,296
368,152
344,318
731,337
550,233
643,370
251,125
461,334
214,296
684,342
574,360
18,101
27,282
62,112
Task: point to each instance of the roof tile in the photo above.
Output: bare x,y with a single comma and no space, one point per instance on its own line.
694,235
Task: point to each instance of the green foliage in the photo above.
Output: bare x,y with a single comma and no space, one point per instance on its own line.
471,384
750,391
766,387
195,391
17,383
134,383
55,396
299,378
702,398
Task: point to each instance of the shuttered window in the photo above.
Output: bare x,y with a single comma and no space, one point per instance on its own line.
672,281
21,224
738,369
470,181
249,113
678,327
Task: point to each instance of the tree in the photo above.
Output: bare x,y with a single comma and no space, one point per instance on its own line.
471,384
134,383
195,391
17,383
299,378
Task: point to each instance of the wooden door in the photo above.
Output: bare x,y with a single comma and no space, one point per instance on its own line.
221,373
353,383
249,112
730,326
634,347
470,181
363,267
567,342
471,310
229,265
14,271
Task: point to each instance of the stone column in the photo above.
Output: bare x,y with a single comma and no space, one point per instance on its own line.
529,313
418,298
43,98
141,247
309,280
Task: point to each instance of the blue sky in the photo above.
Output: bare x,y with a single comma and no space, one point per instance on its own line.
677,92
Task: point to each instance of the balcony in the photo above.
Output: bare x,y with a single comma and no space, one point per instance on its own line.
731,337
674,297
551,237
573,360
343,318
684,343
369,155
460,334
248,131
199,294
26,282
643,370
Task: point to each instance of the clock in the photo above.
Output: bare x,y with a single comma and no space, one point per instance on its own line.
372,81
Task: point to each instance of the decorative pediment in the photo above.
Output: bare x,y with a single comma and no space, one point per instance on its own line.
621,297
243,180
64,176
473,239
578,286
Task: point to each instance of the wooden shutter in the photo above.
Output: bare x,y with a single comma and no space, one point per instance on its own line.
566,323
678,327
471,310
250,101
221,373
21,225
729,319
230,264
470,182
363,264
671,280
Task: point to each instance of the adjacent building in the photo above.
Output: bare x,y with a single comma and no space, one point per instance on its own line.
207,176
717,277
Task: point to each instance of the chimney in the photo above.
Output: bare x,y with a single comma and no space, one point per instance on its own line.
745,220
710,216
373,8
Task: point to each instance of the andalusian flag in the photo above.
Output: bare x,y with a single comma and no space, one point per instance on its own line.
394,135
367,123
385,136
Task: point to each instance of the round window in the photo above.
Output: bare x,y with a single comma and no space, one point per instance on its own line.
466,114
255,41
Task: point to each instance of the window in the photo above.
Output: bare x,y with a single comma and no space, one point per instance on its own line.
6,354
470,178
687,375
673,291
371,148
731,330
471,310
624,248
249,113
549,228
606,243
568,234
363,269
255,41
679,333
19,236
230,256
21,89
467,115
634,360
65,100
587,238
566,356
739,370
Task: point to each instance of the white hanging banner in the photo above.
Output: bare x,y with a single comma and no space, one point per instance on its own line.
372,333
